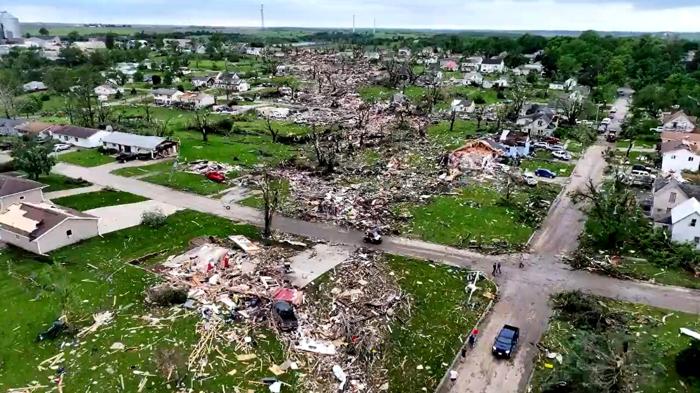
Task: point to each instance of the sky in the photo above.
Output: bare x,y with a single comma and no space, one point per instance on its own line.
607,15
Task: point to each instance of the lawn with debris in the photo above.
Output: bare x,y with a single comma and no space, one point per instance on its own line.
584,348
137,346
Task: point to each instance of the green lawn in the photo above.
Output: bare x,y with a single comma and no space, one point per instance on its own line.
57,182
441,134
561,168
376,93
94,276
644,270
86,158
651,341
189,182
474,214
93,200
637,143
165,166
471,92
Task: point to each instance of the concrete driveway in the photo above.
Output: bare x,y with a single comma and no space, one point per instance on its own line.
115,218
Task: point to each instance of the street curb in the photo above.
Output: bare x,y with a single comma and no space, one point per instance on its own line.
443,386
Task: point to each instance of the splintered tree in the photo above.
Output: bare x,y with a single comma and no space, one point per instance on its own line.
274,133
201,122
273,194
325,156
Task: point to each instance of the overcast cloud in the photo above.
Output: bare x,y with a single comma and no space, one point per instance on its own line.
617,15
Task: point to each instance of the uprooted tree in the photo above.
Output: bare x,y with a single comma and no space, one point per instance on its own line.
273,195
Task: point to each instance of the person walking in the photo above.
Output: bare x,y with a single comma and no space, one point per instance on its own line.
494,269
498,268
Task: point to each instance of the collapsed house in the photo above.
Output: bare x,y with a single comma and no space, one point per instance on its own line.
476,155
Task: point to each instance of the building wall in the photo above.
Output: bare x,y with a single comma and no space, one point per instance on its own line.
31,196
123,148
666,199
56,238
18,241
89,143
684,232
681,124
680,160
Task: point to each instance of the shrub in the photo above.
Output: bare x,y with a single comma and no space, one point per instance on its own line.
153,218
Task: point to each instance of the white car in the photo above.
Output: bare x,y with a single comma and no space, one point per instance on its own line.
530,178
541,145
61,147
562,155
556,147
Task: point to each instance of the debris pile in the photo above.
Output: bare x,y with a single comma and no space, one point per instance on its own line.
202,167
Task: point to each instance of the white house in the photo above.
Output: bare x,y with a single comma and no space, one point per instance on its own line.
105,91
154,146
165,97
203,81
195,100
515,144
679,156
472,63
473,78
496,83
678,122
669,193
253,51
78,136
462,106
684,223
34,86
15,190
42,227
232,82
538,120
491,66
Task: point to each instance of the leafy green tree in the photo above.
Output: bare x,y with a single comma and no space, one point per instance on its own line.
28,106
58,79
44,31
33,157
72,57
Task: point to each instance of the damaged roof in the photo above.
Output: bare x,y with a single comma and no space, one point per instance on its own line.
10,185
34,220
74,131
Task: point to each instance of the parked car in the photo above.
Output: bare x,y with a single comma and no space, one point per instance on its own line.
61,147
284,317
542,172
505,343
552,140
613,110
530,179
124,157
606,121
216,176
541,145
639,167
602,128
562,155
555,147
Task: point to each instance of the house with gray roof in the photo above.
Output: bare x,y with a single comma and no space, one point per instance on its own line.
669,193
43,227
153,146
17,190
8,127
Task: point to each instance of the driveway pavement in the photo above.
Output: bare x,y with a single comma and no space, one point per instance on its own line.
116,218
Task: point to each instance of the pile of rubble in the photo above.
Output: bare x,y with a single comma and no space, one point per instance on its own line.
202,167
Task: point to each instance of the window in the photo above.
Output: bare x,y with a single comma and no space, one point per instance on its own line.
69,233
693,222
668,210
21,197
673,157
696,240
691,159
76,139
672,198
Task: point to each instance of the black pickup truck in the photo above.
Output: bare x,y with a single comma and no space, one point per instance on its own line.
506,341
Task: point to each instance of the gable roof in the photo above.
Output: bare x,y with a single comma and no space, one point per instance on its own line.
35,219
680,136
164,92
34,127
495,60
74,131
675,145
673,116
10,185
684,210
127,139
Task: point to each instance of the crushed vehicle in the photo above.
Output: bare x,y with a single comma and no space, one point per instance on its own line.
284,316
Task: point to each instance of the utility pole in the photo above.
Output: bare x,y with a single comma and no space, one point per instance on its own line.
353,23
374,27
262,16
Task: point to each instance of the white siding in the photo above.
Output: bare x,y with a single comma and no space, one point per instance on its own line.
666,199
685,232
18,241
680,160
31,196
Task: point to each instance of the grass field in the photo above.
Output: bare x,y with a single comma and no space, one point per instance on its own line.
93,200
58,182
86,158
474,214
471,92
653,338
441,134
94,276
376,93
189,182
647,271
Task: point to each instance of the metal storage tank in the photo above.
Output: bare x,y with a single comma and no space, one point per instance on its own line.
10,25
